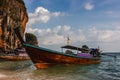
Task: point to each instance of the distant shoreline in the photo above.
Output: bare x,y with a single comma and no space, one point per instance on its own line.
110,53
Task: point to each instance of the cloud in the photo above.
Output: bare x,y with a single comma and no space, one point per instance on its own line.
107,35
113,14
109,2
109,12
88,6
59,34
49,36
42,15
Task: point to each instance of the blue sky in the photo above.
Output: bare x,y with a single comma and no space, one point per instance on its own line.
91,22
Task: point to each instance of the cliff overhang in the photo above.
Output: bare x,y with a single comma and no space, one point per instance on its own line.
12,13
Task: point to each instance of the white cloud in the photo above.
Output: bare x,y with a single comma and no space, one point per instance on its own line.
109,35
41,10
51,36
107,2
113,14
56,14
88,6
53,39
109,12
59,33
92,36
42,15
103,35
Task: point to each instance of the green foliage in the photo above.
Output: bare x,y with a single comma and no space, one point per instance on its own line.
85,47
21,1
31,39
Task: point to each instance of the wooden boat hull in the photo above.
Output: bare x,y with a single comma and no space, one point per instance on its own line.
14,58
41,55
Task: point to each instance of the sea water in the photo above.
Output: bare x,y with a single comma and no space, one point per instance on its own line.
108,69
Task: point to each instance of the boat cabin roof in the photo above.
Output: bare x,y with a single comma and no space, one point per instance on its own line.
73,48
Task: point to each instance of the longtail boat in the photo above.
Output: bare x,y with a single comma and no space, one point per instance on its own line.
43,57
19,56
14,58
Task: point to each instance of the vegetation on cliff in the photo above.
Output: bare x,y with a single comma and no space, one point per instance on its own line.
31,39
86,49
21,1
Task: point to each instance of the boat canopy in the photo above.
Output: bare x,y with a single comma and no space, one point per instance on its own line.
74,48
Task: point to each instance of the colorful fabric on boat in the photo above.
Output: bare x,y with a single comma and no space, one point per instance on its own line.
86,55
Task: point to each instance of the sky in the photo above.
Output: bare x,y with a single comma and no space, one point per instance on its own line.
87,22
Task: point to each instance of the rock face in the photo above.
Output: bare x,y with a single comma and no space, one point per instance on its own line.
12,14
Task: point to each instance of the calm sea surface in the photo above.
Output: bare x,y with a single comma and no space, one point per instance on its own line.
108,69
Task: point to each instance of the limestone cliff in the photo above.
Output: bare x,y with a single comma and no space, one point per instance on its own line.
12,13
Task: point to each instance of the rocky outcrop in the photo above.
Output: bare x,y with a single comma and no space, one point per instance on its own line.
31,39
12,14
